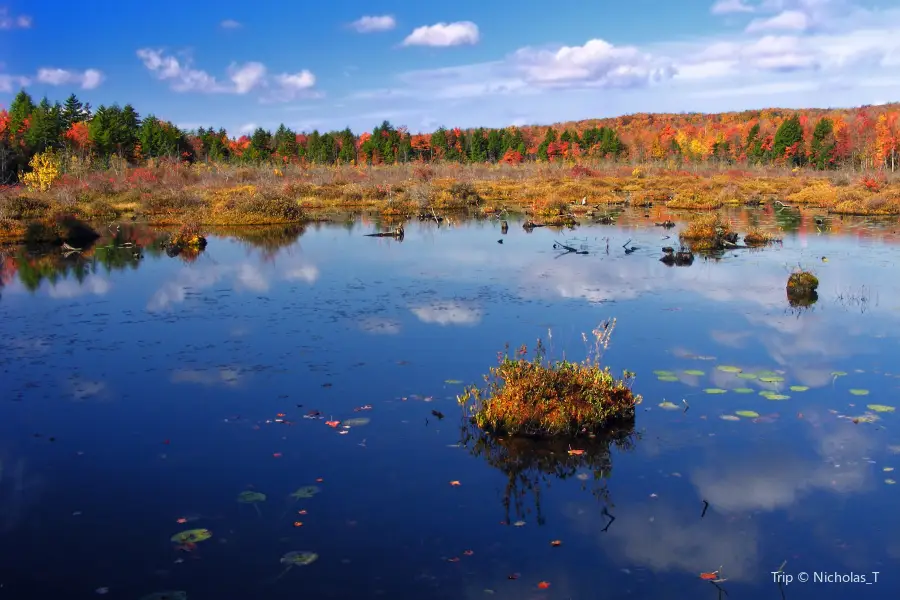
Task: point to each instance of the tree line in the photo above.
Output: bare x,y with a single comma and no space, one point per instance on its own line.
866,138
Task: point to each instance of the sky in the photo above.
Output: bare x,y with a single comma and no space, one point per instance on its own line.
322,65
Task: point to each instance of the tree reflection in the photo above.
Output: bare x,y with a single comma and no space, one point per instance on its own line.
269,240
530,465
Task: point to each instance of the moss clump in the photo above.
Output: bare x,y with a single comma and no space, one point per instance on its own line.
188,236
801,289
539,398
757,237
708,232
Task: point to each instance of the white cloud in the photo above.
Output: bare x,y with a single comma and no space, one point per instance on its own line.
246,77
242,78
87,80
374,23
725,7
444,35
789,20
247,128
8,21
11,83
447,313
230,24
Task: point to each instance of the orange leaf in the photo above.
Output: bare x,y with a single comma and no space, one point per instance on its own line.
319,480
544,585
709,576
332,423
298,524
181,520
556,543
576,452
468,553
454,483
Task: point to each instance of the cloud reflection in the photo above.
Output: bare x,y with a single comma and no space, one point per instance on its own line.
448,313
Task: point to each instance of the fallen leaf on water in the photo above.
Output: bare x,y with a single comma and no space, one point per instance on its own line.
666,405
454,559
181,520
888,469
332,423
513,576
556,543
276,454
544,585
709,576
319,480
364,407
298,524
454,483
468,552
519,524
890,481
576,452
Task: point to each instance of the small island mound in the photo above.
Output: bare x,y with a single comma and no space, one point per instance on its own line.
801,288
552,399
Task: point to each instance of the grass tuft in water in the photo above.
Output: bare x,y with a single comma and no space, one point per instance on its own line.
543,398
801,288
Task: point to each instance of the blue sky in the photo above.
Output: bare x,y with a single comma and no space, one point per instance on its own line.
466,63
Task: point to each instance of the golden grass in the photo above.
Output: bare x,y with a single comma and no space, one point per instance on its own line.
223,195
539,398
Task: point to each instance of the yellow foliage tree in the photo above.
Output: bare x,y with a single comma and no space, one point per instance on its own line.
44,171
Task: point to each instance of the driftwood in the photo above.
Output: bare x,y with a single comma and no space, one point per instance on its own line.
568,249
397,233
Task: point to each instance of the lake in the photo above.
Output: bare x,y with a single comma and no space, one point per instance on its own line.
295,389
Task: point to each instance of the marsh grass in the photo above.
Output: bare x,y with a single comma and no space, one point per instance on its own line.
708,232
544,399
758,237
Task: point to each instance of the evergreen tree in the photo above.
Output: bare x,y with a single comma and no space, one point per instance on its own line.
823,144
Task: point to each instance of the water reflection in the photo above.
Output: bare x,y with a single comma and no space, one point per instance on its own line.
531,465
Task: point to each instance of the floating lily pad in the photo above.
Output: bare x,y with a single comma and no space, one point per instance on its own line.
694,372
799,388
175,595
729,369
888,469
192,536
295,558
664,373
668,405
743,390
746,413
667,378
307,491
771,379
715,391
859,392
729,418
838,373
747,375
453,381
890,481
250,497
882,408
770,395
358,422
766,374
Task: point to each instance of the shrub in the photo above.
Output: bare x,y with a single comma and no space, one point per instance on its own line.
541,398
709,231
44,171
23,207
465,192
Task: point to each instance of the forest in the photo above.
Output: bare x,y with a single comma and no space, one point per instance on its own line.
863,138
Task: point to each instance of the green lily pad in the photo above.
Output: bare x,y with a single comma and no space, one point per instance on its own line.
358,422
307,491
743,390
694,372
771,379
729,418
192,536
667,378
890,481
747,375
838,373
729,369
770,395
453,381
799,388
664,373
295,557
882,408
668,405
859,392
746,413
250,497
715,391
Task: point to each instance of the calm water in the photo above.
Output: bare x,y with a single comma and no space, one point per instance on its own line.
137,394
